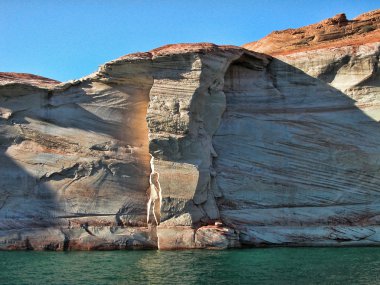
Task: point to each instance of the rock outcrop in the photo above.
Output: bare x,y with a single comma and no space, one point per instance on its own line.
199,146
335,32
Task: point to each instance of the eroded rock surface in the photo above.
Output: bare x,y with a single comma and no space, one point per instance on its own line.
199,146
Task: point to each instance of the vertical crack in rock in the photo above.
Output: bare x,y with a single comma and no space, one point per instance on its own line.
154,194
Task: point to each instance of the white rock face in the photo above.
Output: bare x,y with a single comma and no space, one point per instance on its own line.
298,154
195,146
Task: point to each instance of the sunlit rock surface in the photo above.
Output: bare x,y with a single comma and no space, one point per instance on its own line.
199,146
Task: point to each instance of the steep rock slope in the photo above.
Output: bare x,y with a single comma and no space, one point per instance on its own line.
199,146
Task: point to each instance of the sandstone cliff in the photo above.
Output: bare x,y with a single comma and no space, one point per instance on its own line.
200,146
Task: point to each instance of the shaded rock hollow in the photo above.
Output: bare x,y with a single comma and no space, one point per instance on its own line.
199,146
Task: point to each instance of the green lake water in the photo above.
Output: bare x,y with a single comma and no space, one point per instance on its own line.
248,266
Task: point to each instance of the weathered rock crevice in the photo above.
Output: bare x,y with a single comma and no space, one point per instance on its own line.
154,195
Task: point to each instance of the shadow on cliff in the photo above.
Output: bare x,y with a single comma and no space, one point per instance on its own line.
24,202
289,140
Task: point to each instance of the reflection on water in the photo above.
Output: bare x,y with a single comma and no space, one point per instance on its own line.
250,266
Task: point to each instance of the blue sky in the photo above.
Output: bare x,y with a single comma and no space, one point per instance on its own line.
69,39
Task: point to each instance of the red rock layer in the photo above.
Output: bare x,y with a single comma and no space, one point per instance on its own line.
333,32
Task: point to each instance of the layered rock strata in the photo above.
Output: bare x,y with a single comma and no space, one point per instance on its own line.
199,146
334,32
